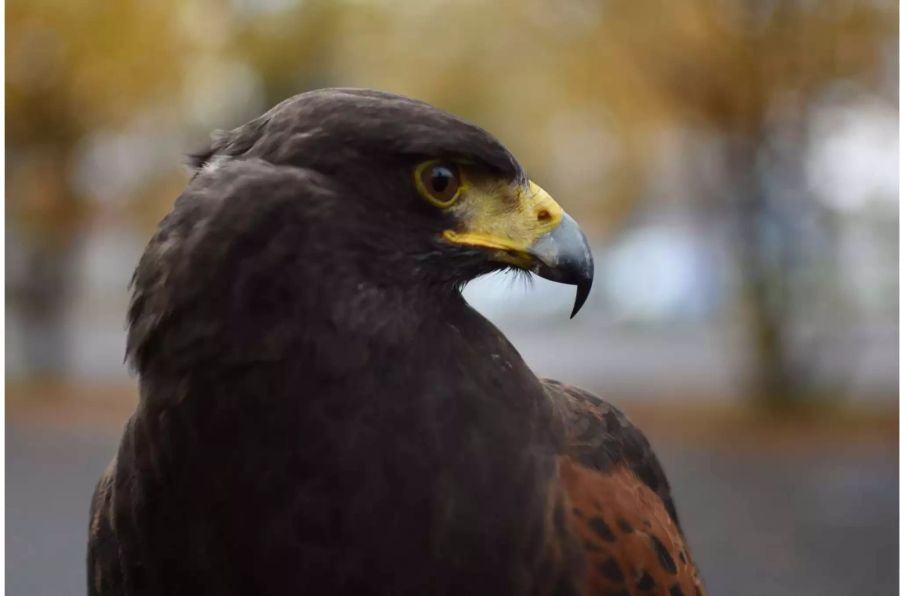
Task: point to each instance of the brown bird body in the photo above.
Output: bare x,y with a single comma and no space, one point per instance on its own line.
321,412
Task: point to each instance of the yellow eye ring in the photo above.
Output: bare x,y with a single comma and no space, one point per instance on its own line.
439,182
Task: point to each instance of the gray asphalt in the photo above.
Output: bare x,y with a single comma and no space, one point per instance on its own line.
759,525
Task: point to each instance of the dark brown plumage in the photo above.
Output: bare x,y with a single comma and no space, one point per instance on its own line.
321,411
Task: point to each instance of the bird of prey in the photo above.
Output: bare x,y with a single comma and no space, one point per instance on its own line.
321,412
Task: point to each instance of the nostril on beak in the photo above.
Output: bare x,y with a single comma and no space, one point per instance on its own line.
543,215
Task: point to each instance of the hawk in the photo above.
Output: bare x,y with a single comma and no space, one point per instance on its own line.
321,412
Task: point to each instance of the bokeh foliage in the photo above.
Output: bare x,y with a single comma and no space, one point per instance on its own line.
580,90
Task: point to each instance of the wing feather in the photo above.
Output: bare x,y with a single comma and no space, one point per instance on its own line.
620,501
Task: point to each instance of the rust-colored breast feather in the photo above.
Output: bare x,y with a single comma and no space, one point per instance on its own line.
620,503
631,544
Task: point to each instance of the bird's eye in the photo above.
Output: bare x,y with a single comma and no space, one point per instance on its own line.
438,182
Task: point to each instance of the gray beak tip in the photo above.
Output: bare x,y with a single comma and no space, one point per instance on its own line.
564,256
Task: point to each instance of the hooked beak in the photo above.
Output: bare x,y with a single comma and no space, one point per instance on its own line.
563,255
525,227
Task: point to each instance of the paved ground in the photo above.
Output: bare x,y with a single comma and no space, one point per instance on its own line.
809,522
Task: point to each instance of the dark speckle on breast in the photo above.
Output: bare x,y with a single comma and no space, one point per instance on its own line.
601,529
645,582
665,559
611,570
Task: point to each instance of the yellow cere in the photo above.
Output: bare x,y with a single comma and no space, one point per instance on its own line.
504,216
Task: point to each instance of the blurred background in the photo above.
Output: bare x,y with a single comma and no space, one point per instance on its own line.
735,163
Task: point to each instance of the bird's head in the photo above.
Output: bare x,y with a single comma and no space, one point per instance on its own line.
504,222
441,194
